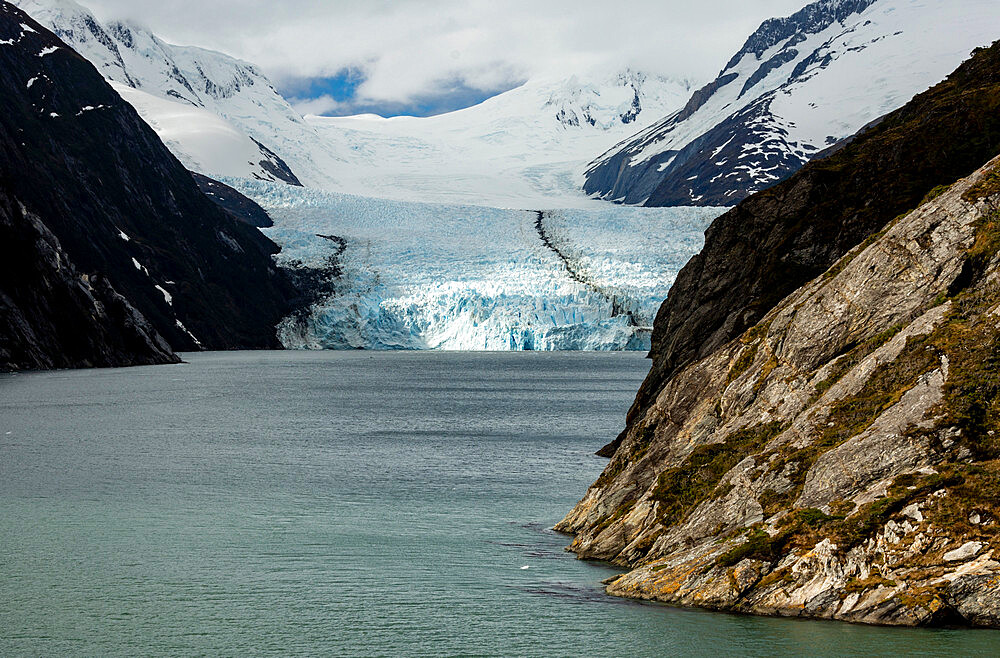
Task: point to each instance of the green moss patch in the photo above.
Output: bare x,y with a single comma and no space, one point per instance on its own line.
759,545
681,489
751,341
871,582
972,392
619,512
808,526
987,186
855,355
638,451
772,501
935,193
975,490
769,366
800,460
884,388
746,358
856,528
987,243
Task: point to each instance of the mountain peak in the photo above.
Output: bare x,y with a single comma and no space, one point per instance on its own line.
811,19
258,132
604,100
111,250
799,85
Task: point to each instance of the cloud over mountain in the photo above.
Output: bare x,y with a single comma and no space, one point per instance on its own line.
413,50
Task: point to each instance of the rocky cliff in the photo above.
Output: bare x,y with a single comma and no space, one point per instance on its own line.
777,240
55,316
841,457
112,255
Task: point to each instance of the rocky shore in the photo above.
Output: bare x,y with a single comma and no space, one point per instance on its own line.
839,459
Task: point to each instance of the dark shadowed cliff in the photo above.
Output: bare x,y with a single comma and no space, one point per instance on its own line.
84,181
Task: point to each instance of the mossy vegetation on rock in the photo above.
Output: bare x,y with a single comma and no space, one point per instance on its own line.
778,239
680,489
842,458
885,386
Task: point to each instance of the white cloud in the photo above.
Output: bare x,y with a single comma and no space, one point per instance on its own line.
409,49
324,104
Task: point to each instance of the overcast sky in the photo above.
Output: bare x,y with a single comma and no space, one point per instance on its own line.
430,55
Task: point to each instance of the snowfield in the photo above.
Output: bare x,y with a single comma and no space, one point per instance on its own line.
463,277
202,140
529,145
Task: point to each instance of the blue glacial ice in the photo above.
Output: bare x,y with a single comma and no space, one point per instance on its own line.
453,277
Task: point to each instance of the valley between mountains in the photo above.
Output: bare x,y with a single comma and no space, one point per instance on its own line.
806,246
431,208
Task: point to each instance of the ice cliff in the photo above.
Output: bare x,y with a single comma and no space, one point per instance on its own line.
405,275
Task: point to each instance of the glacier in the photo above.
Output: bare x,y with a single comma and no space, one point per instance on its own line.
413,275
480,237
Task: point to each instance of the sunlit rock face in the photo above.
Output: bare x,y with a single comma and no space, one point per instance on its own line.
838,458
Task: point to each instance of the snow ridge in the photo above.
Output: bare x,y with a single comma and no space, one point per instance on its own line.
799,85
526,147
174,80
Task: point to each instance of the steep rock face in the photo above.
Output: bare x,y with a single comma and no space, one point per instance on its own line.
237,205
775,241
79,164
56,317
840,458
799,85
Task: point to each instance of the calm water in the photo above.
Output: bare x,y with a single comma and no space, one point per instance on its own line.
338,504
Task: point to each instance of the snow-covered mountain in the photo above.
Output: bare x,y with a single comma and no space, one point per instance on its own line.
204,141
526,147
799,85
111,255
219,115
432,265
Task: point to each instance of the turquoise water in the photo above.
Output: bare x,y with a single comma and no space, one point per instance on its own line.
298,503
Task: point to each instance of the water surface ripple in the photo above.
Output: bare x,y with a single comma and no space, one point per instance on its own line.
302,503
